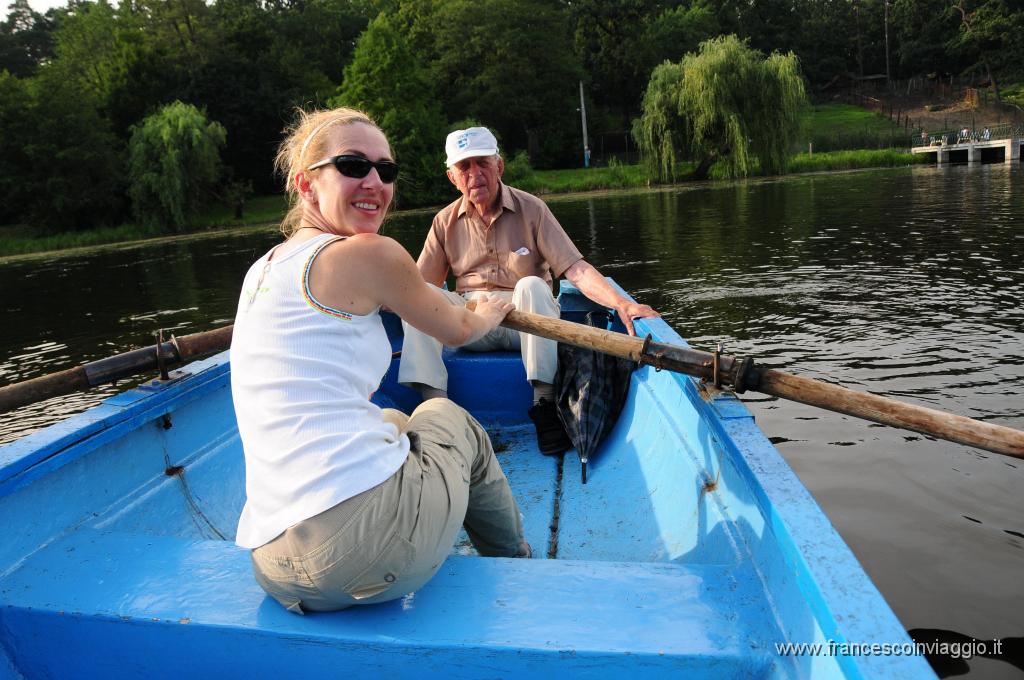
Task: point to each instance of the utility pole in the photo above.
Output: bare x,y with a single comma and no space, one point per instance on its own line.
888,82
583,116
860,46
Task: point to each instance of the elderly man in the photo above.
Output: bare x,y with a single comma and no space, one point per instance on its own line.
498,240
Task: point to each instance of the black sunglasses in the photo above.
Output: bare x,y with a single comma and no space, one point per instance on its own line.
359,167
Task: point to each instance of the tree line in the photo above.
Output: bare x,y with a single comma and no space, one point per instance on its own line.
147,109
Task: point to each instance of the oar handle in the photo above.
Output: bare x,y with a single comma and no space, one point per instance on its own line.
745,374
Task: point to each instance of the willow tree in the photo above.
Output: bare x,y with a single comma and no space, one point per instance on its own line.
726,104
174,165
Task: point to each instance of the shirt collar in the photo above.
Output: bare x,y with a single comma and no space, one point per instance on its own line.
504,195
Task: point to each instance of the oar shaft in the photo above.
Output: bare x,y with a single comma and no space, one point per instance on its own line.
670,357
576,334
949,426
960,429
42,388
117,367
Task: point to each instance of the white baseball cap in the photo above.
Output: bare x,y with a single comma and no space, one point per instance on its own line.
475,141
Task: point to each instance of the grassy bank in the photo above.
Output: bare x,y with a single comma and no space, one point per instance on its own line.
593,179
18,240
851,160
632,176
840,127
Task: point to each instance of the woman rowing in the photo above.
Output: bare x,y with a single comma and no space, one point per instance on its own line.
346,503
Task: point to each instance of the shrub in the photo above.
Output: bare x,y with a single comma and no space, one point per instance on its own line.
518,168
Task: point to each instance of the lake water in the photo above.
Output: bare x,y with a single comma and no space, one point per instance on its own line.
908,283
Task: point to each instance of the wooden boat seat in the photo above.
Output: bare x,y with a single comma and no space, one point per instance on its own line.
190,600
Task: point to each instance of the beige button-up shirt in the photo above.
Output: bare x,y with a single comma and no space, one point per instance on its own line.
524,240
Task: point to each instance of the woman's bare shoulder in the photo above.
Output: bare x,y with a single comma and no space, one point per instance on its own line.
367,255
365,244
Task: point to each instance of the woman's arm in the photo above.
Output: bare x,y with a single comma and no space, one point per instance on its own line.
369,270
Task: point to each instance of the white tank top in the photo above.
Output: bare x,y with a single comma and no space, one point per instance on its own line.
301,377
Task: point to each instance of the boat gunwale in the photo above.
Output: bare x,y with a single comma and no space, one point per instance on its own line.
46,450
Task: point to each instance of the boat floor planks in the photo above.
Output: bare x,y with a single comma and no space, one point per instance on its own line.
534,482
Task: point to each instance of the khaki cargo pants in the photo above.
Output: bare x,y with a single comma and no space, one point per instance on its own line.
387,542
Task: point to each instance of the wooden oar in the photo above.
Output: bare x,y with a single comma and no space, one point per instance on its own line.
744,374
159,356
740,373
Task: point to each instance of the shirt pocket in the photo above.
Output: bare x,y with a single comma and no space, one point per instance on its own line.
524,264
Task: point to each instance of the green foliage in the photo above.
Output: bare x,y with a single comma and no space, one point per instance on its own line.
677,31
235,193
74,177
16,123
257,62
466,123
701,108
387,81
991,34
505,62
921,31
18,242
661,130
85,74
621,42
174,165
517,169
265,211
579,179
25,39
1014,94
96,48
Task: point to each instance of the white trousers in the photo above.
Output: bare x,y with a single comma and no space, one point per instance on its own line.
421,353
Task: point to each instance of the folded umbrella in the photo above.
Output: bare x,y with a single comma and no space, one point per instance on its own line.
591,389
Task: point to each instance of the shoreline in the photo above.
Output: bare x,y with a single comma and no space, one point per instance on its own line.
547,196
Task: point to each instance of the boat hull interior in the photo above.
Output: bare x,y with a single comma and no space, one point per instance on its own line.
692,548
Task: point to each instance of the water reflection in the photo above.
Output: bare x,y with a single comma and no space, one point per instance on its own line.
908,283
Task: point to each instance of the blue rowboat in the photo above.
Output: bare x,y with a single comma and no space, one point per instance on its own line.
693,551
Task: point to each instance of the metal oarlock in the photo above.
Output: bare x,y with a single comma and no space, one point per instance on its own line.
648,358
161,360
